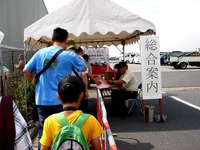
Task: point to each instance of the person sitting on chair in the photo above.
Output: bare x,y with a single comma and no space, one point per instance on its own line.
118,74
129,87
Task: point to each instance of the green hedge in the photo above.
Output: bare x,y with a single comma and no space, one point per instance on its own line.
15,85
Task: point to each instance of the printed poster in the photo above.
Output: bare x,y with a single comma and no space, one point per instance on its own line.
151,70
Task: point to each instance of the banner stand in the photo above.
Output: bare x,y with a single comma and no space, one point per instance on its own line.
151,72
160,108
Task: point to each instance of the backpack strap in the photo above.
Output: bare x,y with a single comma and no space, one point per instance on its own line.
61,119
81,120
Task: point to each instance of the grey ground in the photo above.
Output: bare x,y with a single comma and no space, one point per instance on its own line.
180,132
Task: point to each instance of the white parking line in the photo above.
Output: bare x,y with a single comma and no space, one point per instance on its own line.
184,102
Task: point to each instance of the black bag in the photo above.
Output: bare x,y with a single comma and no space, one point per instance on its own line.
84,102
82,83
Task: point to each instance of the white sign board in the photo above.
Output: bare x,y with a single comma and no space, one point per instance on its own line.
151,73
99,55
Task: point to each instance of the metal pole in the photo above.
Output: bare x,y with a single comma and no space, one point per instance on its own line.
2,74
107,58
117,48
13,60
2,70
25,84
123,49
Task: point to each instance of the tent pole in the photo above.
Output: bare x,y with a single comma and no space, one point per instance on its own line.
117,48
123,49
3,84
25,84
2,74
34,44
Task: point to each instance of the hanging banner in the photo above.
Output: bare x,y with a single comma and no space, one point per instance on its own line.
151,72
98,55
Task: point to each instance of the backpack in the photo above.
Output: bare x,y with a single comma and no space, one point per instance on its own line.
70,136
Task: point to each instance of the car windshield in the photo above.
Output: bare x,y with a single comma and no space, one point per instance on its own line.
137,55
127,55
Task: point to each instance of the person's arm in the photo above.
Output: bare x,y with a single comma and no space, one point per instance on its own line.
20,65
7,74
96,144
95,130
84,78
120,81
30,68
93,79
16,66
42,147
28,74
84,68
79,64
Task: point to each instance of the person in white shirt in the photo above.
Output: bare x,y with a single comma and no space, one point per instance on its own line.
89,74
79,51
129,87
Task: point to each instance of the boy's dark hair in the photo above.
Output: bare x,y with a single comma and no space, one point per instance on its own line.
72,48
116,66
59,35
85,56
69,88
78,50
122,64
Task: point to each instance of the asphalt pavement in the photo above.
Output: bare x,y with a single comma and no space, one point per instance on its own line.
180,132
182,129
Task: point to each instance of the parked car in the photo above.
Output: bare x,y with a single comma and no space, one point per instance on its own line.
128,58
114,58
137,59
187,58
163,59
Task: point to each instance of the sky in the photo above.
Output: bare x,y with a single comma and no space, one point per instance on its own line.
177,22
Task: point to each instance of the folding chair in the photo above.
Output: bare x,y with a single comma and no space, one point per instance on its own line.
136,101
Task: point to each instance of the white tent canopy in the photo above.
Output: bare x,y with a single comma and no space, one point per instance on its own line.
90,22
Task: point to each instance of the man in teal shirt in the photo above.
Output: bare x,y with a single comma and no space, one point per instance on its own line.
47,83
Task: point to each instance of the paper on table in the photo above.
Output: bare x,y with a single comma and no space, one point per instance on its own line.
103,85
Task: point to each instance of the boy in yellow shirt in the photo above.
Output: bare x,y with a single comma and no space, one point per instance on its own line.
70,93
